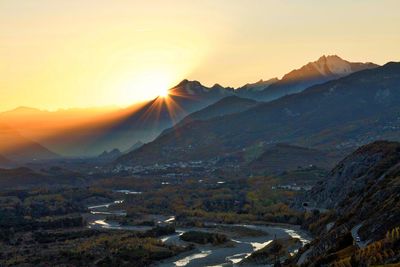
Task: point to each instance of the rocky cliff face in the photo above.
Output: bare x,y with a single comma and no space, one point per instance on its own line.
362,194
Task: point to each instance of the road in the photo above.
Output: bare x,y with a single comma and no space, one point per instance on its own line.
357,238
304,256
354,234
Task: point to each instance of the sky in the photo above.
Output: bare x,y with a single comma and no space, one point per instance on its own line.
85,53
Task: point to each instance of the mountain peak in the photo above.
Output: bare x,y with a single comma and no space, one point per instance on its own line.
195,88
327,66
182,83
332,64
186,87
186,82
221,89
217,86
327,57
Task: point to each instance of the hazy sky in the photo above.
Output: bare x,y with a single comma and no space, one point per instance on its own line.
77,53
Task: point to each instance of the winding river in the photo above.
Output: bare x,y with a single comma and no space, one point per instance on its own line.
203,255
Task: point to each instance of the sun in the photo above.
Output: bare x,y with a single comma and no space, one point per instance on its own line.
163,93
144,86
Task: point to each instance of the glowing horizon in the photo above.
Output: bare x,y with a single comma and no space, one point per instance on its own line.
73,54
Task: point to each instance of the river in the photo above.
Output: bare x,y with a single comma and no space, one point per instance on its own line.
203,255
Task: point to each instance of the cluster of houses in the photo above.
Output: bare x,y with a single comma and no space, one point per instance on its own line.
292,187
168,170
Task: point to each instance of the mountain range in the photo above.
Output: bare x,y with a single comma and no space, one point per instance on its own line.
339,114
89,132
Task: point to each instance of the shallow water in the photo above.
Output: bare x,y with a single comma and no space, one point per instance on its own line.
186,260
205,255
128,192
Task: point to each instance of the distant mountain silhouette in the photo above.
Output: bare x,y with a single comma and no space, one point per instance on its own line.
15,147
56,130
340,114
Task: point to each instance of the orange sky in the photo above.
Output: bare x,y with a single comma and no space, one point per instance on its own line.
70,53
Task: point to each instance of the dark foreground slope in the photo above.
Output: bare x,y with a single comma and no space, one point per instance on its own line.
362,193
340,114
